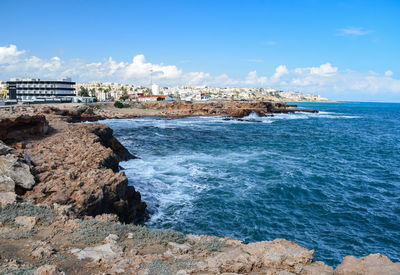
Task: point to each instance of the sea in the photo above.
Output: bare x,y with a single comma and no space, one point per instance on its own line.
329,180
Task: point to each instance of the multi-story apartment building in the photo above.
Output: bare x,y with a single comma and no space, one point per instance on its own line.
34,89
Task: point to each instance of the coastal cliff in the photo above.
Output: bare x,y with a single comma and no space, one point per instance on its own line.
74,165
63,199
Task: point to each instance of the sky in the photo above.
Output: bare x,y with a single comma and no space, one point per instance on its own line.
343,50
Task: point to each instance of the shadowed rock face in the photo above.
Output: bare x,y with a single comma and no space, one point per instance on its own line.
78,167
15,174
21,127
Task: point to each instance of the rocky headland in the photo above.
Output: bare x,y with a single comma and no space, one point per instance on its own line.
235,109
66,207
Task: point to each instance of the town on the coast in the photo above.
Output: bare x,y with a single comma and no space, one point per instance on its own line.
35,90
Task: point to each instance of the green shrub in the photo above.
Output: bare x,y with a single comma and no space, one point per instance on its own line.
124,97
94,231
19,271
213,244
160,98
18,234
179,264
118,104
157,268
168,267
11,211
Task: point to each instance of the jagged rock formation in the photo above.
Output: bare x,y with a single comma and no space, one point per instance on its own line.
15,174
78,167
75,165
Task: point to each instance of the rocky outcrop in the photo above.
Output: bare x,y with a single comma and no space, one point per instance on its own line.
78,167
75,165
15,174
21,127
81,113
100,246
98,111
108,140
14,170
373,264
230,108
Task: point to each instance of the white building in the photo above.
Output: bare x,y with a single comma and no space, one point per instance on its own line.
155,89
34,89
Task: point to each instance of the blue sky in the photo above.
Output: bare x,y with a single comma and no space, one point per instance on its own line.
345,50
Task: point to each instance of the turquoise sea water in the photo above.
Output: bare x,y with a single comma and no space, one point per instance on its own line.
329,181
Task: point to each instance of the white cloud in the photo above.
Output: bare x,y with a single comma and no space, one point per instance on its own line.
8,54
388,73
325,78
323,70
280,71
253,79
354,31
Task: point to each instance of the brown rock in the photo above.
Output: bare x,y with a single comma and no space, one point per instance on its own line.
74,167
14,170
107,217
373,264
235,260
281,254
26,221
317,268
7,198
42,250
6,183
48,270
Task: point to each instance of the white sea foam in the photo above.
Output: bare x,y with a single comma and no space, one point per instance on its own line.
169,184
212,123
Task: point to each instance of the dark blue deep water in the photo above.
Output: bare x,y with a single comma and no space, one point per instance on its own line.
329,181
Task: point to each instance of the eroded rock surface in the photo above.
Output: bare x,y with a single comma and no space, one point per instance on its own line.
373,264
78,167
100,246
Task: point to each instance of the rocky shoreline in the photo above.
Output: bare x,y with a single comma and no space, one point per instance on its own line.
66,207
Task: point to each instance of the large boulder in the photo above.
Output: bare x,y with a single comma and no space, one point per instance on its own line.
281,254
14,170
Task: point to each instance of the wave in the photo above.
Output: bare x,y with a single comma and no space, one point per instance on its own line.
215,122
